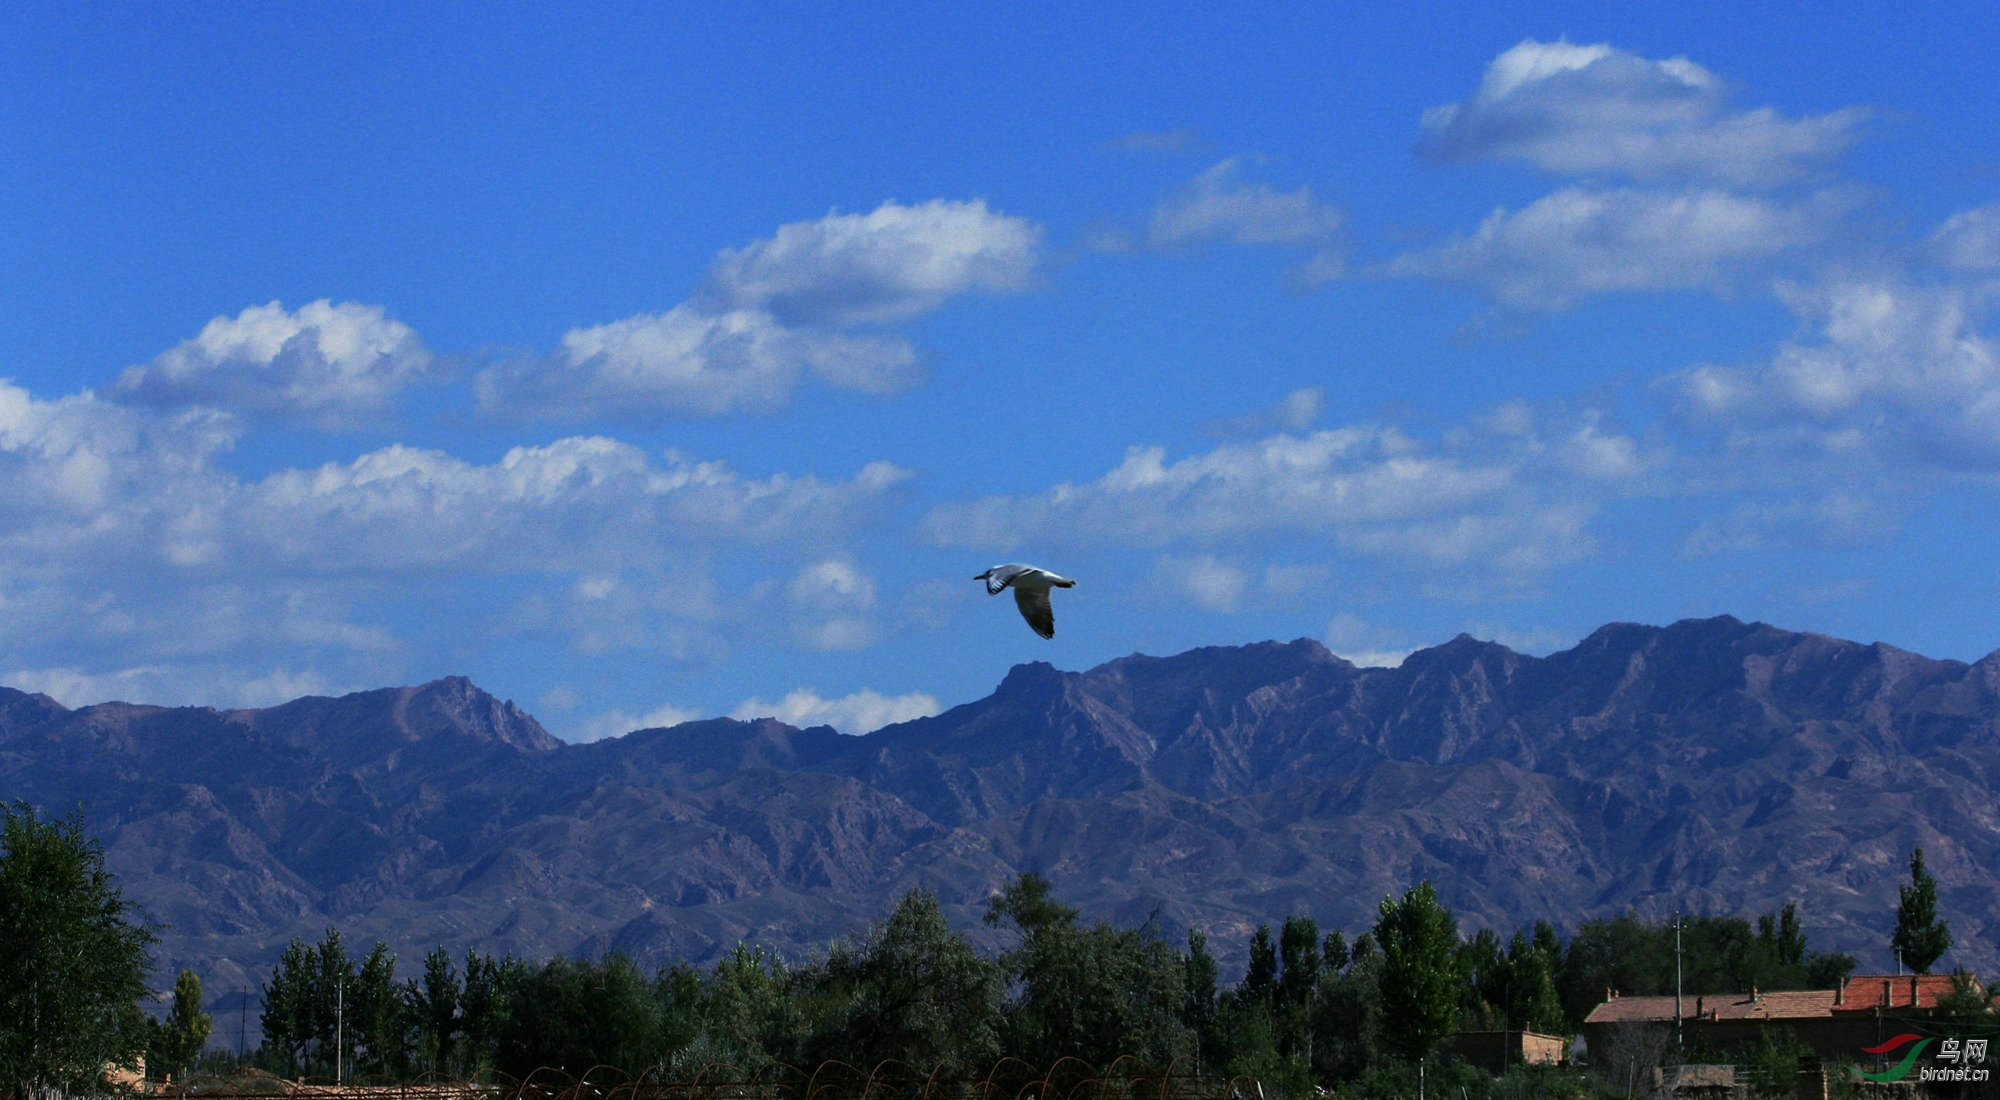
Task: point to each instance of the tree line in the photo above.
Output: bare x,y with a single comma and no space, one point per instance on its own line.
1312,1008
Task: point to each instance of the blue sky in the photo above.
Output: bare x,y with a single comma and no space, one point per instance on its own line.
645,363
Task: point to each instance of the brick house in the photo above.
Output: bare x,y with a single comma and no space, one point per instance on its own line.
1835,1023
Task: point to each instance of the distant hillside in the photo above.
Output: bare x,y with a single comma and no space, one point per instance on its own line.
1715,765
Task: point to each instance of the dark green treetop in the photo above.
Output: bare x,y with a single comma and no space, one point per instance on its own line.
1921,938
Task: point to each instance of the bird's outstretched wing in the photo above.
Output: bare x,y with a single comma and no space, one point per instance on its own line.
1034,604
1000,576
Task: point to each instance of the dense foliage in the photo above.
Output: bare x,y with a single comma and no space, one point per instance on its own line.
73,958
1313,1009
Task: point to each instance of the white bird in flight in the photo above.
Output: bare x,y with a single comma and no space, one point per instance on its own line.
1031,592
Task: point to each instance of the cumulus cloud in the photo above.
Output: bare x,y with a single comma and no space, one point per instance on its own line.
334,365
1578,242
691,362
132,545
772,313
862,712
871,269
1220,206
1586,109
1510,492
1893,370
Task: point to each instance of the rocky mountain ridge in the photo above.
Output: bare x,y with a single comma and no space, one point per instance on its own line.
1716,765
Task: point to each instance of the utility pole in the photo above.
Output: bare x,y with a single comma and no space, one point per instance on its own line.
1677,983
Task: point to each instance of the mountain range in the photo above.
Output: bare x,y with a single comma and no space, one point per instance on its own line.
1710,766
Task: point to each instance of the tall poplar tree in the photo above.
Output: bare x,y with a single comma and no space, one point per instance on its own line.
1921,938
1421,976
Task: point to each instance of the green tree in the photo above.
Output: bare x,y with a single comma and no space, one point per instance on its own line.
1199,978
173,1045
73,958
434,1013
749,1013
1920,938
494,986
1298,986
287,1015
584,1014
1421,978
1347,1021
915,991
1532,960
322,1017
1092,993
1260,982
376,1018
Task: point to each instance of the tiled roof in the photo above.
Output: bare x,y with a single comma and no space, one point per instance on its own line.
1863,993
1717,1006
1870,991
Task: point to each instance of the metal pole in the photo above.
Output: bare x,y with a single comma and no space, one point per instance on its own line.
1677,983
339,1027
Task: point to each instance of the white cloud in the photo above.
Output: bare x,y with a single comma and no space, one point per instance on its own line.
1350,636
1295,412
1219,205
1510,493
582,503
616,723
1969,241
862,712
691,362
131,549
335,365
1585,109
774,312
1213,584
832,604
1227,586
1895,371
1578,242
1842,517
168,684
875,268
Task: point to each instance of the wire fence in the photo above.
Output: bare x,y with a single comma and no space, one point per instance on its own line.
1127,1078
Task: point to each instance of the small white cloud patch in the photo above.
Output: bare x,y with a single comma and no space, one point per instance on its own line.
1219,205
862,712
